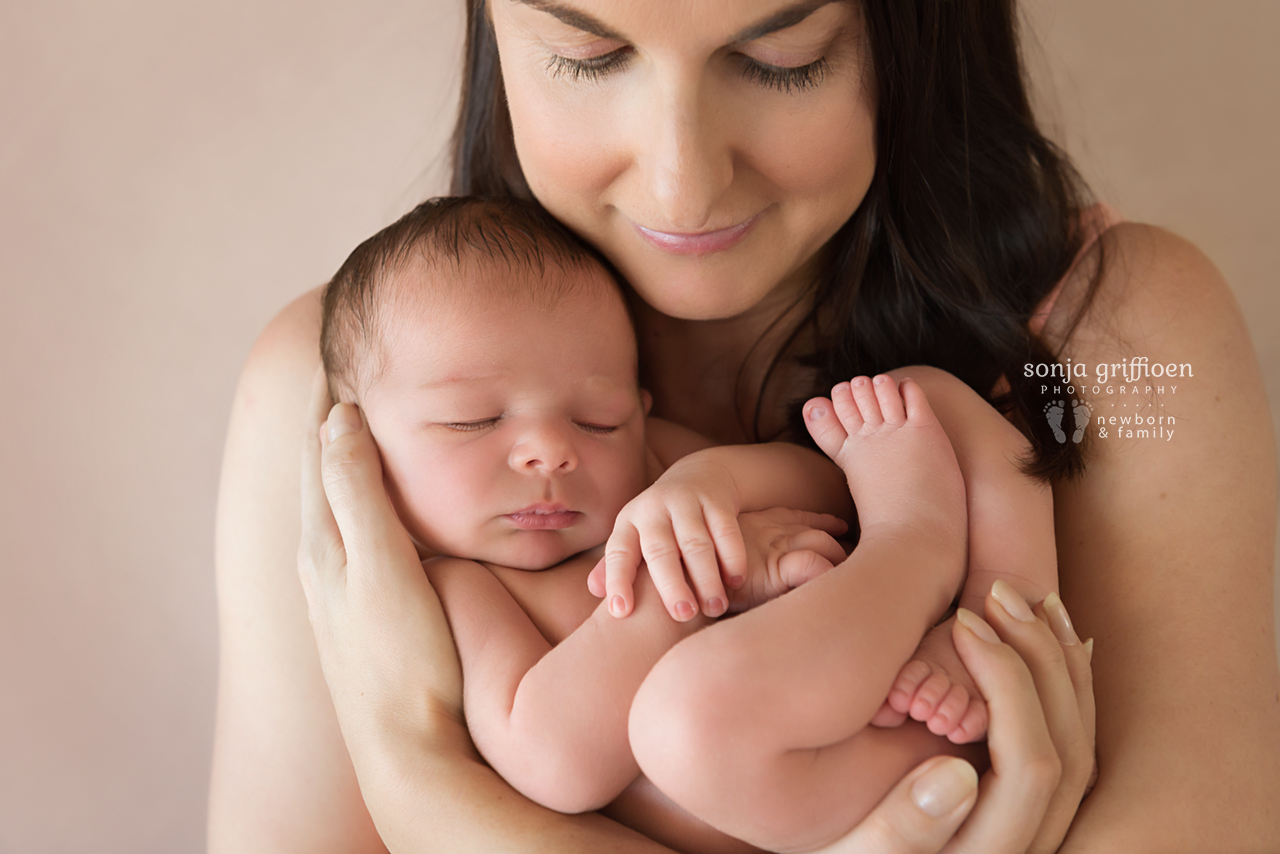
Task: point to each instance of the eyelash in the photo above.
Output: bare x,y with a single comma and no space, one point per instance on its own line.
471,426
486,423
800,78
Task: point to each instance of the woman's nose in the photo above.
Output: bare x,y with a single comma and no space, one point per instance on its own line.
544,450
685,156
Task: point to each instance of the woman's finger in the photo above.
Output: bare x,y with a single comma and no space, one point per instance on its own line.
919,815
351,471
1025,768
320,544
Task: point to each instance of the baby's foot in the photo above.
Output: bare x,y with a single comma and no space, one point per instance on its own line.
899,462
1053,412
936,689
1081,413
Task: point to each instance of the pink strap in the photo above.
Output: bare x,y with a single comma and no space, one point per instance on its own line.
1094,222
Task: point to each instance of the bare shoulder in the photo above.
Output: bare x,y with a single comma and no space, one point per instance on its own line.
1165,548
288,350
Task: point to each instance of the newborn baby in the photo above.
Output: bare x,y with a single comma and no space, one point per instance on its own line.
494,359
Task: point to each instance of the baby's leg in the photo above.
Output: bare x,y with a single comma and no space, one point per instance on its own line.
757,724
1010,538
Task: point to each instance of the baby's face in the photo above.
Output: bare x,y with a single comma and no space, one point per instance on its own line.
511,433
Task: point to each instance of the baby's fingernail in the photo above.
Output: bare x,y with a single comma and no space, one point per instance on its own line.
715,607
1088,649
736,581
1059,621
944,787
977,625
617,606
1013,603
684,611
817,412
343,419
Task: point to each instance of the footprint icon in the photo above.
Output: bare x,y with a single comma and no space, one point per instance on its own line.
1081,413
1053,412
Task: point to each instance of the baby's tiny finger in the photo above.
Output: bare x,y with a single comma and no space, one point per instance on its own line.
698,553
621,559
731,548
801,567
662,556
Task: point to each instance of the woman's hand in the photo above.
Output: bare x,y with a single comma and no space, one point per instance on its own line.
1038,685
384,643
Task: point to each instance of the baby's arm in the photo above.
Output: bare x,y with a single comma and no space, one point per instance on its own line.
687,522
1002,501
551,720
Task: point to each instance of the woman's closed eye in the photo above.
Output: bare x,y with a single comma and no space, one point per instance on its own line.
782,78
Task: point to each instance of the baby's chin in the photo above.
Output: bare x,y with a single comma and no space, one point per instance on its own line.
524,550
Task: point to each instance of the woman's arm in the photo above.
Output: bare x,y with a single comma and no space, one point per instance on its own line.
1165,552
282,780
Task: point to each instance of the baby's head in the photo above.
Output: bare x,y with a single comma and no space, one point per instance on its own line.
494,359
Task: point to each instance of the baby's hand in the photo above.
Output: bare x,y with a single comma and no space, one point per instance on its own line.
785,548
936,689
686,523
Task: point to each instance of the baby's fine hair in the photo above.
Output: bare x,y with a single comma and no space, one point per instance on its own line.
446,236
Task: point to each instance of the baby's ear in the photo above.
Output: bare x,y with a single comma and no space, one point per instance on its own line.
646,400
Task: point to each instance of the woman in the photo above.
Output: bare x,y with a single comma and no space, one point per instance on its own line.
797,192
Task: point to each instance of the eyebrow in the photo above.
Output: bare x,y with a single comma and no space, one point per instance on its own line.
779,20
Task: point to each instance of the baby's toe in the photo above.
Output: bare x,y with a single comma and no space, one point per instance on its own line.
973,726
846,407
825,426
864,395
908,682
888,717
929,695
950,711
890,400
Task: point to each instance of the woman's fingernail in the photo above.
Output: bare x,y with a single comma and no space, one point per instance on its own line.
1059,621
1013,603
977,625
617,606
1088,649
944,787
343,419
684,611
715,607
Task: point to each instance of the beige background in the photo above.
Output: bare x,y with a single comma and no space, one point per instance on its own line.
174,171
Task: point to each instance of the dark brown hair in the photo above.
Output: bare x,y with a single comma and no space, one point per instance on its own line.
971,218
445,234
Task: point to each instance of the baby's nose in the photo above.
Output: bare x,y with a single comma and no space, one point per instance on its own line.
544,451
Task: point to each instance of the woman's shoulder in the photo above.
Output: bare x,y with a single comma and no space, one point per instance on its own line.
289,344
1141,286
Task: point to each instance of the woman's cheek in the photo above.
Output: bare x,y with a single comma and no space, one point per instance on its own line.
565,142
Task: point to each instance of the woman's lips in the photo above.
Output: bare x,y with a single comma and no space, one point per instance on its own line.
698,242
544,518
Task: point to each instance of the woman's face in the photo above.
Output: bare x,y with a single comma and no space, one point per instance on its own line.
709,148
